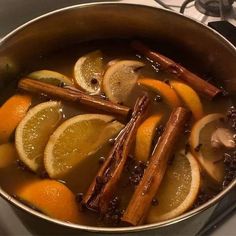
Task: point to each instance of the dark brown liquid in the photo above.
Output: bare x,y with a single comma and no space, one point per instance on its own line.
81,176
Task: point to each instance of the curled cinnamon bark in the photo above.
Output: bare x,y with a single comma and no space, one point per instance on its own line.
146,190
206,89
103,186
74,95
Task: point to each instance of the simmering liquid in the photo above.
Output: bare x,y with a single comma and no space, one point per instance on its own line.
81,176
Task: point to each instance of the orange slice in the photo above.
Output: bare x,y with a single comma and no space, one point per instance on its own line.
200,142
76,139
52,198
144,137
34,131
189,97
167,93
8,154
178,190
11,113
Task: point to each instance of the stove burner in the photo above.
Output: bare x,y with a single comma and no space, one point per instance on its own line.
213,7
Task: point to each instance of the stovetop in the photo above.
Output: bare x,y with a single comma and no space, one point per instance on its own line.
220,220
191,11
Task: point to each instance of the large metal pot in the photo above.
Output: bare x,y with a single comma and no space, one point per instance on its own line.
108,20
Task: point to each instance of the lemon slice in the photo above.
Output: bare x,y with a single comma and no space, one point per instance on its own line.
178,190
120,79
51,77
76,139
200,142
88,72
144,137
34,131
189,97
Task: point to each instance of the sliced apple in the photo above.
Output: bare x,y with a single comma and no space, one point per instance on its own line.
201,146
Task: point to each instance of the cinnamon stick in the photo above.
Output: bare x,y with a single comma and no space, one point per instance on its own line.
146,190
203,87
103,186
73,95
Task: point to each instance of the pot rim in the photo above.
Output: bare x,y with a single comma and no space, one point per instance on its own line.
152,226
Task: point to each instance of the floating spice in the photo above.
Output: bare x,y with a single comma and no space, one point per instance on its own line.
230,168
79,197
158,98
198,147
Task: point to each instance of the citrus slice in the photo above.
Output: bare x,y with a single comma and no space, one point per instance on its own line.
88,71
178,190
144,137
120,79
51,198
200,143
112,62
76,139
51,77
11,113
8,154
166,92
34,131
189,97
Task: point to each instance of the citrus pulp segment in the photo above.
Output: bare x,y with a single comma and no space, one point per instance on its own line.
178,190
51,77
163,89
200,143
120,79
144,137
8,154
11,113
76,139
52,198
34,131
189,97
88,72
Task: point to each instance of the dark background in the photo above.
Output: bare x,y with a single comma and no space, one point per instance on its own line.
13,12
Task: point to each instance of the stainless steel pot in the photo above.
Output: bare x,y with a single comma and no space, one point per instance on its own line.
108,20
